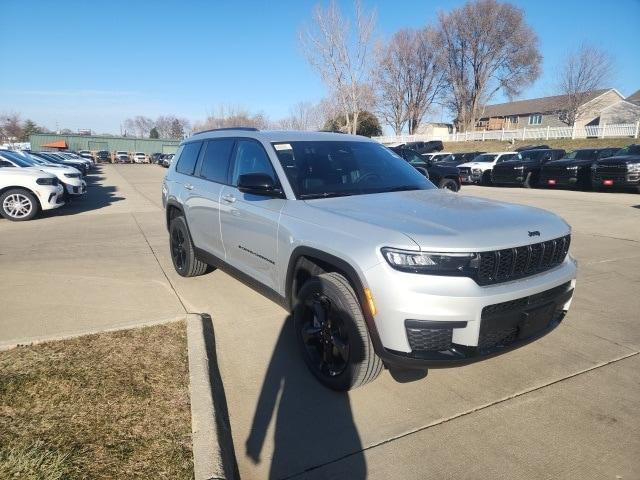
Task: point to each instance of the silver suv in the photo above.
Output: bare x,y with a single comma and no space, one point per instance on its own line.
379,267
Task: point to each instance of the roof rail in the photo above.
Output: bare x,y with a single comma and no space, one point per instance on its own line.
246,129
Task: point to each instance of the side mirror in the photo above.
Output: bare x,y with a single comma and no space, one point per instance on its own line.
259,184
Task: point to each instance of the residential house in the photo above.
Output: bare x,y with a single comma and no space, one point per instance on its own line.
634,98
546,111
434,130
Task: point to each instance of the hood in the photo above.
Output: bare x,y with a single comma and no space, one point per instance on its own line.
438,220
568,162
22,172
619,160
481,165
59,172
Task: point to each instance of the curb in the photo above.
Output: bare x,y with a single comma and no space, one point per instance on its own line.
213,453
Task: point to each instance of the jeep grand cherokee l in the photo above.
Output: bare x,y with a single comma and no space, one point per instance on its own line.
574,170
619,171
526,171
378,267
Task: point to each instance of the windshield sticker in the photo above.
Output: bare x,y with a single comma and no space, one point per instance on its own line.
282,146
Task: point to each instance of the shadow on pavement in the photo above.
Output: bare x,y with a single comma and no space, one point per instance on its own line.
98,196
313,425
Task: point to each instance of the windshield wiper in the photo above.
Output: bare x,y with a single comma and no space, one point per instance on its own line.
400,188
309,196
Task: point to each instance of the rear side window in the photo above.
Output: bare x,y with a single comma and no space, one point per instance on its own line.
188,158
251,158
215,162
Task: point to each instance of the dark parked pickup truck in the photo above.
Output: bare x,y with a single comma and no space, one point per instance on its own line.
619,171
574,170
442,176
525,172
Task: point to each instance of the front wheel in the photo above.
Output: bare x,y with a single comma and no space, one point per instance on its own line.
18,205
449,184
332,333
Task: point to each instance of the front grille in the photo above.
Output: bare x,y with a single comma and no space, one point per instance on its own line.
616,172
509,264
501,322
559,174
465,171
430,340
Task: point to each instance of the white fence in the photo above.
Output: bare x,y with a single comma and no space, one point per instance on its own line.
547,133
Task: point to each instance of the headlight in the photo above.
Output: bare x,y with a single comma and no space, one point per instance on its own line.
47,181
431,263
633,167
72,175
572,169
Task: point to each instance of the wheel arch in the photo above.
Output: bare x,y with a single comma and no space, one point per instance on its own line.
173,210
306,262
22,187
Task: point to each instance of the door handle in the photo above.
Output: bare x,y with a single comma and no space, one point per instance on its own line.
229,198
188,186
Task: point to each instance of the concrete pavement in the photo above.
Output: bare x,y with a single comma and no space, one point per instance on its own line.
536,412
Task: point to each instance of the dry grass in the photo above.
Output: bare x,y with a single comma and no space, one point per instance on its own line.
564,143
112,405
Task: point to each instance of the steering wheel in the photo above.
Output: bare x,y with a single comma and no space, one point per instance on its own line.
367,176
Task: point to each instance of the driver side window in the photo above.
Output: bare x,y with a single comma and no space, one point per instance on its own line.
251,158
4,163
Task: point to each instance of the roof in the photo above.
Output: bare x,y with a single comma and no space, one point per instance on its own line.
281,135
535,105
634,97
56,144
629,105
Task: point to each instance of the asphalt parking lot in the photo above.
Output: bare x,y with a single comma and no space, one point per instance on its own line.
564,407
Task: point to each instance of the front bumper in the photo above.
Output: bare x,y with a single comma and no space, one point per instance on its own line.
51,197
427,321
79,188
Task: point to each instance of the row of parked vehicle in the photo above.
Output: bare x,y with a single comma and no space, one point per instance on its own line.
536,166
31,182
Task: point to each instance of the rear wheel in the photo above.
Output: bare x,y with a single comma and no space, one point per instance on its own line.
449,184
332,333
18,205
182,251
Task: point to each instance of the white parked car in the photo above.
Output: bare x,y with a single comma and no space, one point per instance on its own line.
69,177
26,191
140,157
479,170
122,157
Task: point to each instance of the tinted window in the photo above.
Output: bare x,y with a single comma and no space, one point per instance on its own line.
415,158
188,158
215,163
508,157
250,158
323,169
485,158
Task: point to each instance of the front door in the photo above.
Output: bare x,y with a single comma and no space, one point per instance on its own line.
249,222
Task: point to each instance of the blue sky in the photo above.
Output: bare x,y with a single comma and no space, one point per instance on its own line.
93,64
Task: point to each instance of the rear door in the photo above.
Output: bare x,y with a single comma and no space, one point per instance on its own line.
249,222
210,176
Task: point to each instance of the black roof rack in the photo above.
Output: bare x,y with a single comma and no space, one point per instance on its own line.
246,129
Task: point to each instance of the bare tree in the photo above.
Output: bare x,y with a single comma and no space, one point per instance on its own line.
170,126
586,69
11,129
486,47
225,116
302,116
388,78
341,54
139,125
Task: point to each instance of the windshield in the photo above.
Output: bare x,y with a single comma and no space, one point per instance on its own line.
16,158
485,158
320,169
532,154
582,155
630,150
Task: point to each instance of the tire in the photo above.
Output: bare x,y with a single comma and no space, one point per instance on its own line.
449,184
332,333
486,178
18,205
182,252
